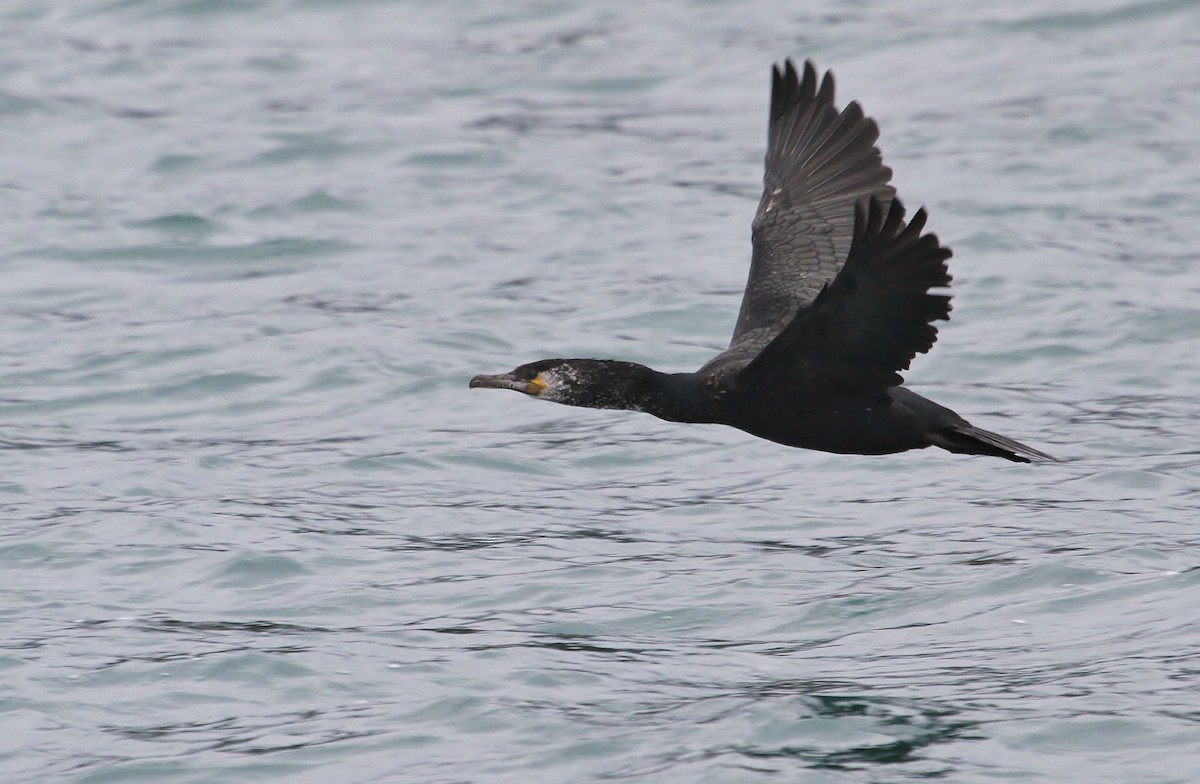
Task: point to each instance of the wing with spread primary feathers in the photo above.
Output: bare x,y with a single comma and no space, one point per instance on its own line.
868,324
820,163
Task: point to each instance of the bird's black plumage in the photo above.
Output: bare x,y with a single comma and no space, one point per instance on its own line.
837,305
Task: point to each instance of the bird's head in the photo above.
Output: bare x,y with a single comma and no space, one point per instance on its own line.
595,383
558,380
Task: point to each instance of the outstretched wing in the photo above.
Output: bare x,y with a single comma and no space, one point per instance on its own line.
819,164
868,324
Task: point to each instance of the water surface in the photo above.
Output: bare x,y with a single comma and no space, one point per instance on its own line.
257,528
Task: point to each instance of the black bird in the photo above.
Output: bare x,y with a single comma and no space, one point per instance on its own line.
837,304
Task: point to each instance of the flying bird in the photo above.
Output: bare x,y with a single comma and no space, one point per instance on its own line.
837,304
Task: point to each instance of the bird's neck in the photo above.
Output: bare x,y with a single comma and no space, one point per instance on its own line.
679,397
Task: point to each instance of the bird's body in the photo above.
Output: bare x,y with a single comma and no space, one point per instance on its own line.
837,303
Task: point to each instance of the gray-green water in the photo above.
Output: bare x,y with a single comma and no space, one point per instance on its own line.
255,527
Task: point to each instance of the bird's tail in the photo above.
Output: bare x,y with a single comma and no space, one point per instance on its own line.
967,439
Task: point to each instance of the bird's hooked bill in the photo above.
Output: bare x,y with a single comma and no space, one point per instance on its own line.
508,381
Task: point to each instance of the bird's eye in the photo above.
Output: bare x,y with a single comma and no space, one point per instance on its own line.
528,374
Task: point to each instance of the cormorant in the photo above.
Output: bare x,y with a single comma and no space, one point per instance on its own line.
838,302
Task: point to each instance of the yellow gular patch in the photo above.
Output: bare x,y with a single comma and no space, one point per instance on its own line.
536,386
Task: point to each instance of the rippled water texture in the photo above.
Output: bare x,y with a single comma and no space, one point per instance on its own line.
256,528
